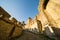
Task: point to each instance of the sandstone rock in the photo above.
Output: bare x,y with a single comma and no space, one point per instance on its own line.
5,29
17,32
8,28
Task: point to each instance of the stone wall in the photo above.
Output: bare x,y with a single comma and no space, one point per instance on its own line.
8,27
49,14
34,25
28,23
51,10
54,13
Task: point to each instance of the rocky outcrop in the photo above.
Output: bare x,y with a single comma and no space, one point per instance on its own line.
51,10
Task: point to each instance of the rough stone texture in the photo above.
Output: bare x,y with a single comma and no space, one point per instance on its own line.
51,10
4,13
8,28
41,17
54,13
49,14
17,32
33,24
5,29
28,23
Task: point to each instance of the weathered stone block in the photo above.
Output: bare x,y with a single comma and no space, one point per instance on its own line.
13,20
4,13
5,29
17,32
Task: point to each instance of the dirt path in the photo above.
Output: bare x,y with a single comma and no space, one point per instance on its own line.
26,35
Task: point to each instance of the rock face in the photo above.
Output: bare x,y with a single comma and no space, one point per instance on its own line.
5,29
8,28
49,17
28,23
51,10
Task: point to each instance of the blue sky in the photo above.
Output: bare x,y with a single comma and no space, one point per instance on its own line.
20,9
